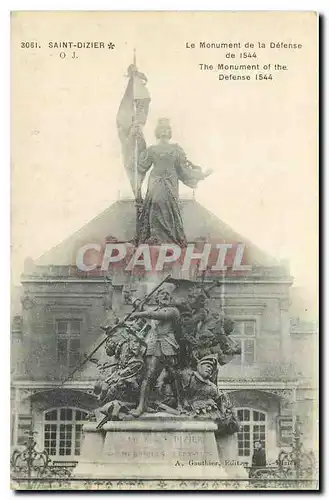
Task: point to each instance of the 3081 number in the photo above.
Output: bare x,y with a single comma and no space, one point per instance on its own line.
30,45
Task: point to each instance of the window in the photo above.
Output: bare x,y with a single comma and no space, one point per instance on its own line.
63,431
244,334
252,428
68,341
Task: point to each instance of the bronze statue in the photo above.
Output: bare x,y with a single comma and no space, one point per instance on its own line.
160,217
165,358
162,348
204,399
118,389
172,365
204,332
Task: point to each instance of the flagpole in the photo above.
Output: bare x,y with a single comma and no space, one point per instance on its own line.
136,157
223,292
135,121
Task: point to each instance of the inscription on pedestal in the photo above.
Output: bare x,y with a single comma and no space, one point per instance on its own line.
161,448
158,447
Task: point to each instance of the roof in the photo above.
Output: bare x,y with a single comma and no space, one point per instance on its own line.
119,221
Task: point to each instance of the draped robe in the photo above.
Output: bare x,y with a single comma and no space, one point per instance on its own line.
160,219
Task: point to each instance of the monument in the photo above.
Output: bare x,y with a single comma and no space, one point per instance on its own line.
162,413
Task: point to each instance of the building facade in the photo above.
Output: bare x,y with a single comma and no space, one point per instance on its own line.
271,383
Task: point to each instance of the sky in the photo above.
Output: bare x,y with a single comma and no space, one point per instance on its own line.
259,137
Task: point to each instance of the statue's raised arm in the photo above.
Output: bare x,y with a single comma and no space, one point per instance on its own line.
187,172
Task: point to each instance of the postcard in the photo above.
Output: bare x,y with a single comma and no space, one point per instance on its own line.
164,317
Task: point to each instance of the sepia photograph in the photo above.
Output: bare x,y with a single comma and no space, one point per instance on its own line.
164,250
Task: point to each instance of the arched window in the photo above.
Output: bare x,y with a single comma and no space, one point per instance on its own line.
62,431
252,429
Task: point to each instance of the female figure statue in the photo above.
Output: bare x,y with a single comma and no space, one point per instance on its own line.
160,218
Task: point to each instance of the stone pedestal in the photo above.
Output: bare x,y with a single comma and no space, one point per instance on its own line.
157,446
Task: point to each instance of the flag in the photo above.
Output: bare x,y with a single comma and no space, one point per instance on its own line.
133,109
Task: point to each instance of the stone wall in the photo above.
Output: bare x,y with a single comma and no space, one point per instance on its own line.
93,302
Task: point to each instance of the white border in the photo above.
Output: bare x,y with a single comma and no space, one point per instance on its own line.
320,6
160,5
